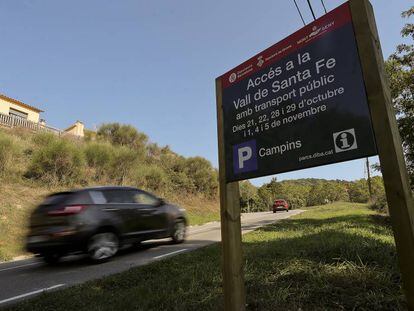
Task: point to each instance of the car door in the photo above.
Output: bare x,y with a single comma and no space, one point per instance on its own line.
153,218
120,204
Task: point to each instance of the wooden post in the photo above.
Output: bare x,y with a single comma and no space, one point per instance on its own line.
394,171
231,240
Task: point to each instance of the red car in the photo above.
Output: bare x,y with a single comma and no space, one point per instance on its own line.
280,205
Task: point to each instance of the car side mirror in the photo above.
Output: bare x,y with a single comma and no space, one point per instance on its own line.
161,202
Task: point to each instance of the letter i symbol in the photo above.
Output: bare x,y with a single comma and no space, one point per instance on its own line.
344,140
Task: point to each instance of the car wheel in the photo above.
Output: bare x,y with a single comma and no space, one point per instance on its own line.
102,246
287,210
179,230
274,211
51,258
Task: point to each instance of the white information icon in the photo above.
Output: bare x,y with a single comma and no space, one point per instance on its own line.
345,140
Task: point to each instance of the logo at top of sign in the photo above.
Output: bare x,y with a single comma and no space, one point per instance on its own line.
245,157
232,77
260,61
315,31
345,140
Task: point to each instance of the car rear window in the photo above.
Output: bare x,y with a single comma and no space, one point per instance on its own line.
57,198
70,198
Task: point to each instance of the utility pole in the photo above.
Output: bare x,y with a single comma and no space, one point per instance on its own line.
369,180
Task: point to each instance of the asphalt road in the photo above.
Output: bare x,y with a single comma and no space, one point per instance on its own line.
27,278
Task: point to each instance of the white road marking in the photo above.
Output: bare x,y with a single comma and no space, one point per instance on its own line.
16,267
168,254
31,293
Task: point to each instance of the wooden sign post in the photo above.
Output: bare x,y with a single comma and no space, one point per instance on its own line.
269,122
232,259
394,171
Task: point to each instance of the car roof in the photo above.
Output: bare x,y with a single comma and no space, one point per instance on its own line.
96,188
100,188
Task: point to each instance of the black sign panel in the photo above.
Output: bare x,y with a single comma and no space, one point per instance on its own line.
300,103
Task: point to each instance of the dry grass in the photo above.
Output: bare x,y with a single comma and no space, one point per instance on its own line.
16,203
199,209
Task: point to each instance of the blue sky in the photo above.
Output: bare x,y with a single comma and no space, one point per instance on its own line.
151,64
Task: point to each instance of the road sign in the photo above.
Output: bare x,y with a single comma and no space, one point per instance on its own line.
300,103
305,102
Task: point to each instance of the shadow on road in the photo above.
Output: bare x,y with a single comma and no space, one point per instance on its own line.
79,260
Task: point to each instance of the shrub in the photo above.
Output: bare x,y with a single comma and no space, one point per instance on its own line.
58,160
89,135
358,191
7,150
42,139
203,176
296,202
123,135
122,163
99,157
152,178
380,204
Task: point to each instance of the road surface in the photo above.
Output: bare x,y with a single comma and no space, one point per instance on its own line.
26,278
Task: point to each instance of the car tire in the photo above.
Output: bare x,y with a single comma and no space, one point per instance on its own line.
102,246
179,231
51,258
274,212
287,210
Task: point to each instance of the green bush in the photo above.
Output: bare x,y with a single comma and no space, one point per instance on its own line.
122,164
58,161
203,176
296,202
380,204
123,135
99,157
42,139
358,191
152,178
7,150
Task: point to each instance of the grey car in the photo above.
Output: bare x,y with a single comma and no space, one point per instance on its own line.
98,221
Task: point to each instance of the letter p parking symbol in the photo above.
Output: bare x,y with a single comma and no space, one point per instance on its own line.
245,157
245,153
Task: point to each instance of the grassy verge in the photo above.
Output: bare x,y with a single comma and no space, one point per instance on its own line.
16,203
199,210
199,218
333,257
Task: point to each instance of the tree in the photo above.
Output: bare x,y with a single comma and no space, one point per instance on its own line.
248,196
400,70
358,191
265,200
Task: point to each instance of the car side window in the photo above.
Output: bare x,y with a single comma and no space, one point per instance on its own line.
119,196
145,198
97,197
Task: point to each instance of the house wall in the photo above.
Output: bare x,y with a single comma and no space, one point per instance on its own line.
76,129
6,105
